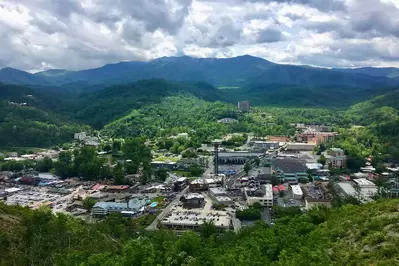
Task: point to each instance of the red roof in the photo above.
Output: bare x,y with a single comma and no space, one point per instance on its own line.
123,187
275,189
282,187
97,187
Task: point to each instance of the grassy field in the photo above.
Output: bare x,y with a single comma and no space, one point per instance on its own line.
167,158
182,173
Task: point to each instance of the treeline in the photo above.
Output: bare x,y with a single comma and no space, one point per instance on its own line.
349,235
135,156
22,126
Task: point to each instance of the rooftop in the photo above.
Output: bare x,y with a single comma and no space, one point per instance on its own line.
289,165
362,182
296,189
347,188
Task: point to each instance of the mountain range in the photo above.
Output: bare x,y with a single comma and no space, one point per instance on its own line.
243,71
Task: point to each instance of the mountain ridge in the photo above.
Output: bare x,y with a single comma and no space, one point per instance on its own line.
239,71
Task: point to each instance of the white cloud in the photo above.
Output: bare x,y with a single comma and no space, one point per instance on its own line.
79,34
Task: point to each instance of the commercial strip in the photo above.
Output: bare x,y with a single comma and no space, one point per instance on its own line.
182,217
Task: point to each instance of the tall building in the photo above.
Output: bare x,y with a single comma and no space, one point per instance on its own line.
244,106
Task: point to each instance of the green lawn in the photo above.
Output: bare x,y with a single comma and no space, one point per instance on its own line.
182,173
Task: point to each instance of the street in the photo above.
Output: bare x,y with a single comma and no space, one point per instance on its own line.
153,225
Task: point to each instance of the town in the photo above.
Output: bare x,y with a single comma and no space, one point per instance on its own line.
230,188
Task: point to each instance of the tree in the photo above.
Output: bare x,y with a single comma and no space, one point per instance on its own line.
119,174
257,161
161,173
322,160
247,167
195,170
88,203
275,181
207,229
44,165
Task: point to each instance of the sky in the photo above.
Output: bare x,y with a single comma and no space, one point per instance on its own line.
37,35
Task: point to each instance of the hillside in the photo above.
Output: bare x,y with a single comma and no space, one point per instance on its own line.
34,118
103,106
389,72
241,71
25,126
14,76
349,235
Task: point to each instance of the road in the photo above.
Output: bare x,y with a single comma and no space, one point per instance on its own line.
153,225
209,170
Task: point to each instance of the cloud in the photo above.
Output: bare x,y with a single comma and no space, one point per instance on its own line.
269,35
79,34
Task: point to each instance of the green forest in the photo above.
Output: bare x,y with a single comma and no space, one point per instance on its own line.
156,109
348,235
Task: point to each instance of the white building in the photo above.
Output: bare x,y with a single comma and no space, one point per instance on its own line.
265,145
219,195
134,205
263,195
80,136
296,192
300,146
367,188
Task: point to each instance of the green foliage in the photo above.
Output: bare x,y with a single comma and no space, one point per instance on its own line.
349,235
252,213
88,203
195,170
44,165
22,126
161,174
247,168
322,159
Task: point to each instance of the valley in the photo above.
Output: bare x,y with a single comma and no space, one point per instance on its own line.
184,161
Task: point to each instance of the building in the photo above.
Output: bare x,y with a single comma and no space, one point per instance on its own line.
237,157
346,189
296,192
161,164
262,194
367,188
265,175
198,185
193,200
227,120
219,195
289,170
265,145
336,158
294,146
182,219
244,106
133,206
80,136
119,189
316,137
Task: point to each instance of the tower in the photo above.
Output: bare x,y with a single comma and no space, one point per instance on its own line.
216,144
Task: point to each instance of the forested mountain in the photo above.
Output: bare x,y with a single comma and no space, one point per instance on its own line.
389,72
347,235
27,126
237,71
14,76
103,106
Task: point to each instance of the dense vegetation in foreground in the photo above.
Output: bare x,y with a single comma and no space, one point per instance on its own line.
349,235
